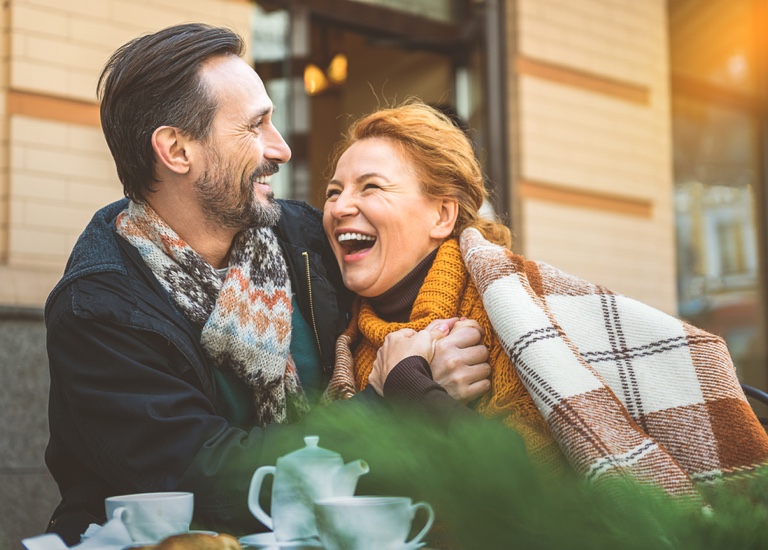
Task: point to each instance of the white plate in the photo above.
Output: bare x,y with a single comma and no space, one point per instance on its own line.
267,540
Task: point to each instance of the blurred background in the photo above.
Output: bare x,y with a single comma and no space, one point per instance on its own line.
624,142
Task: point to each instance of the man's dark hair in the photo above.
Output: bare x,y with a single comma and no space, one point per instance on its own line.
154,81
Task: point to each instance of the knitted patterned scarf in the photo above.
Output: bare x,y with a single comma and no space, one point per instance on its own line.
447,292
245,320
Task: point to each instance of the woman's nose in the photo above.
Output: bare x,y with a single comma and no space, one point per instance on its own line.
344,205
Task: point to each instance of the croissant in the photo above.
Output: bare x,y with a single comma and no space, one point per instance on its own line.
194,541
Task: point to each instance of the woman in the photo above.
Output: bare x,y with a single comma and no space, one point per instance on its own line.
402,216
393,226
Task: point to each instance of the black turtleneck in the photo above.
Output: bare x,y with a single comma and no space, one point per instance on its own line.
410,381
394,306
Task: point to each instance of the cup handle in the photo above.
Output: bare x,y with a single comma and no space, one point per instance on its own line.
415,542
122,513
253,495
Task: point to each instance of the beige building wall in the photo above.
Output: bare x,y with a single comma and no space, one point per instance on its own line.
593,142
55,167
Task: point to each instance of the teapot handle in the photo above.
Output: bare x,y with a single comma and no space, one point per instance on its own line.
253,495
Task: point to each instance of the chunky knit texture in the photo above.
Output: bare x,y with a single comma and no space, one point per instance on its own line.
447,292
245,320
626,389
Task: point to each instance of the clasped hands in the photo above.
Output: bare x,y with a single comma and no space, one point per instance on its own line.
452,347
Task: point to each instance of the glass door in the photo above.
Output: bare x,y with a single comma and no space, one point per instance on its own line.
344,58
718,113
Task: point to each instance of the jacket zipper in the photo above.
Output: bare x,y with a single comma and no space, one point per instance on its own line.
311,304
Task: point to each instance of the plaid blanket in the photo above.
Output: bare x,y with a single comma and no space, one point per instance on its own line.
626,389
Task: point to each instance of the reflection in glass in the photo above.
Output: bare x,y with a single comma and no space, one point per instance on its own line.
718,264
716,84
715,41
439,10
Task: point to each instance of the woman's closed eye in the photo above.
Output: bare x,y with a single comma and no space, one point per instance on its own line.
332,193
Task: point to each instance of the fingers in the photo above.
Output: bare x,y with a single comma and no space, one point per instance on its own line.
438,331
476,390
474,382
437,322
465,334
464,323
456,354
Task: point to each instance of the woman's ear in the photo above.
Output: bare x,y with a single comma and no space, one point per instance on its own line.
172,149
448,212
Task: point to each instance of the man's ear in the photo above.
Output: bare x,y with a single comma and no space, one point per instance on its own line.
172,149
448,211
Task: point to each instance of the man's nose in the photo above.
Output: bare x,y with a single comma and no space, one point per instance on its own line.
277,149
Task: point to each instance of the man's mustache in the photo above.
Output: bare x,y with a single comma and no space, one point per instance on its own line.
267,168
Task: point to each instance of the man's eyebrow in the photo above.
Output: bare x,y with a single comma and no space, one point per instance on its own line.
262,112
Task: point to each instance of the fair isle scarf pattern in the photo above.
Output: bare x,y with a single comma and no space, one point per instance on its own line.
245,320
626,389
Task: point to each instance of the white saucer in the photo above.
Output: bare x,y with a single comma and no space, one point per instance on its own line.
267,540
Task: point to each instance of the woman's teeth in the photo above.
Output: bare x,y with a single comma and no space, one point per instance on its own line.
355,242
354,237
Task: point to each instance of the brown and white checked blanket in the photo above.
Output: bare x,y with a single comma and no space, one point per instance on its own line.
625,388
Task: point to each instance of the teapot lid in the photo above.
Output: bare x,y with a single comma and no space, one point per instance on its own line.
312,451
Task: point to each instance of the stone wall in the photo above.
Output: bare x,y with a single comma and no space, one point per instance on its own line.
28,491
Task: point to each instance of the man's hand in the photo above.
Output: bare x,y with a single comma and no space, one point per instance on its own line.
459,363
405,343
452,347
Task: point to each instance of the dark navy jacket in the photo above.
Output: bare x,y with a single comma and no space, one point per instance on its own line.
132,401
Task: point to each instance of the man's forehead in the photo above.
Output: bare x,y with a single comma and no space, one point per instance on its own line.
230,78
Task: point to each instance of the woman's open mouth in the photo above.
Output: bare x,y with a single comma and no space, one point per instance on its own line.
353,244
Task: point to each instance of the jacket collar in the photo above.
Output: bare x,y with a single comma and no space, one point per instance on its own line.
96,250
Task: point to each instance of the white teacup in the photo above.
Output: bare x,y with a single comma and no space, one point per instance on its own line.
150,517
363,522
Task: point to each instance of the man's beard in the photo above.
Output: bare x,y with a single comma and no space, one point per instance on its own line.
234,207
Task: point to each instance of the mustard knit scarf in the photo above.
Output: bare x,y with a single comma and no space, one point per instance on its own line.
447,292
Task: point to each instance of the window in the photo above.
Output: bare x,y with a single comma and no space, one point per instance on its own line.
718,136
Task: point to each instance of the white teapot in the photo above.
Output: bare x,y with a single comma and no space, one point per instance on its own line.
301,478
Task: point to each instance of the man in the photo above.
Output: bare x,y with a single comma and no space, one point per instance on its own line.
195,322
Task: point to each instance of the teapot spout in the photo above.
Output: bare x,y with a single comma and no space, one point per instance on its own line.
346,478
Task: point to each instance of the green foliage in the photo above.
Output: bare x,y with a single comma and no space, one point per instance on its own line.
487,494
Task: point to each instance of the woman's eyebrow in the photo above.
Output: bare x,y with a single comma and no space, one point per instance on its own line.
363,177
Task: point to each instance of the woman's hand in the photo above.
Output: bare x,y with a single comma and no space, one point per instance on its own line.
405,343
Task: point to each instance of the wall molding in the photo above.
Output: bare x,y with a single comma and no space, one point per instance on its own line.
561,74
49,107
580,198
